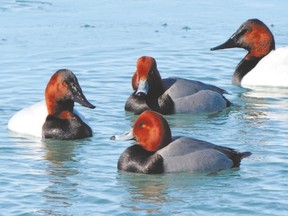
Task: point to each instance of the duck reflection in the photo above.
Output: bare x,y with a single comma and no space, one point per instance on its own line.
254,110
146,192
62,165
265,103
59,152
151,193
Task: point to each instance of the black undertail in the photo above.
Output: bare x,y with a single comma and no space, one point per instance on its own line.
235,156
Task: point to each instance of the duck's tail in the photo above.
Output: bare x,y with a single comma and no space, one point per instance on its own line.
228,103
235,156
245,154
238,157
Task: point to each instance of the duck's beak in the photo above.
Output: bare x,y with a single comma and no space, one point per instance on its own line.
230,43
129,135
143,88
79,97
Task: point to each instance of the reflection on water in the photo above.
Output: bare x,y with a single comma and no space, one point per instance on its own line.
267,92
263,103
151,193
62,165
253,107
59,152
146,190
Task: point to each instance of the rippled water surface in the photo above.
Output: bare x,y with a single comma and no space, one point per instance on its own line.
100,42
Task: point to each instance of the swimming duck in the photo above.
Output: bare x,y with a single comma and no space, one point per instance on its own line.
171,95
55,118
157,151
263,65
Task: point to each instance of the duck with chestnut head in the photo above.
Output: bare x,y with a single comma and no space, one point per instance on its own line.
171,95
156,151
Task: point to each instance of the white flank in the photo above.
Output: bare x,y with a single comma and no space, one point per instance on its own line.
30,120
272,70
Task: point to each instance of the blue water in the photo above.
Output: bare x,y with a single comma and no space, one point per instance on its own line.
100,42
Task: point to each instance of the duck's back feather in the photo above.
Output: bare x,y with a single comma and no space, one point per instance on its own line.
207,160
184,145
191,96
204,101
178,87
188,154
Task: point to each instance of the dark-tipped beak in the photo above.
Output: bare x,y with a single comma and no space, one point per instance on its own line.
79,96
125,136
230,43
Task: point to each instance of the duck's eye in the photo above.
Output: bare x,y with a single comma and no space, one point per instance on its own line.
141,125
243,31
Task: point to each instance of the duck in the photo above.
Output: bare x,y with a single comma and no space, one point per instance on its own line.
263,65
55,118
156,151
171,95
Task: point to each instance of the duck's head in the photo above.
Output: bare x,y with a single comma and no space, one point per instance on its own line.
62,91
254,36
147,78
151,130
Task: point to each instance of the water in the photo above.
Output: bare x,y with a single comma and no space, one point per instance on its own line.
100,42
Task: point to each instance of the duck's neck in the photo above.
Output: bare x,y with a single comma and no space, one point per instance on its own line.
154,93
55,107
156,89
156,85
244,67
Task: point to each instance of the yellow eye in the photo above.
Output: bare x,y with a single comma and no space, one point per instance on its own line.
142,125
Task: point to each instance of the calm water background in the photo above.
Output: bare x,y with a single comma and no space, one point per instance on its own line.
100,42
